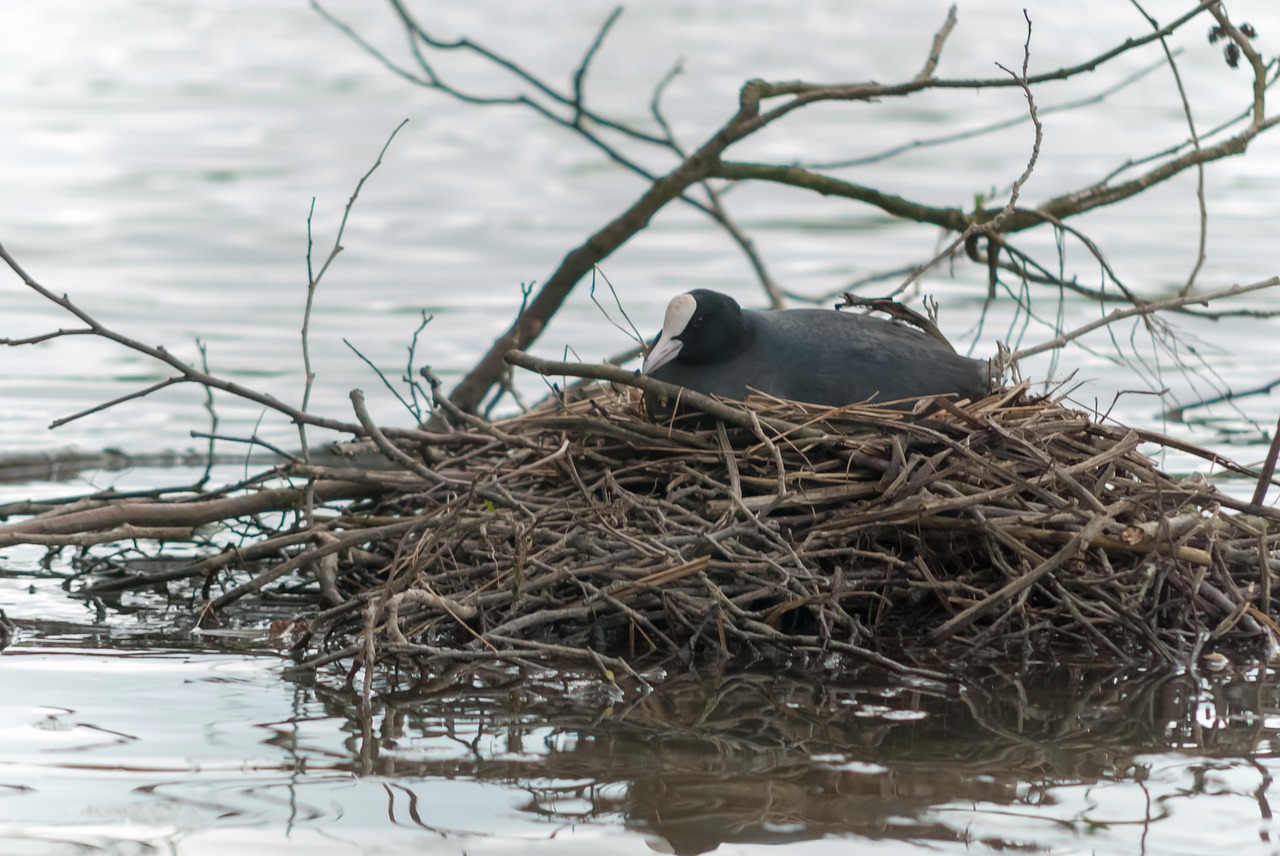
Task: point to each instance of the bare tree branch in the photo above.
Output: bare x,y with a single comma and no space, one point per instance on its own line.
762,103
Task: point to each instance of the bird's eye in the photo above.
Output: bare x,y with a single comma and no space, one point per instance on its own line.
696,323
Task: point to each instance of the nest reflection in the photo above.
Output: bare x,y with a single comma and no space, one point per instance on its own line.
733,755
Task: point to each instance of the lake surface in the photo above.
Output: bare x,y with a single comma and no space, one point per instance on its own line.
110,745
158,161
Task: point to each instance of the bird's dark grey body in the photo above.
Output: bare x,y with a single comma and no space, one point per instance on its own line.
820,356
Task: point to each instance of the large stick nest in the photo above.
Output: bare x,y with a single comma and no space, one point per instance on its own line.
1009,525
584,530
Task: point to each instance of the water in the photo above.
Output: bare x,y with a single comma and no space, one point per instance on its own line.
159,160
1075,760
162,177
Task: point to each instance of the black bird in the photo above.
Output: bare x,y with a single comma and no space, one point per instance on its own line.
711,345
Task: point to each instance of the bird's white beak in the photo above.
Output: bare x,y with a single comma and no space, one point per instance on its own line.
664,351
679,312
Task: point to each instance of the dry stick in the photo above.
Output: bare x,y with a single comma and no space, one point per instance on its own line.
901,312
127,532
1268,468
267,548
730,463
1247,507
1195,145
664,576
52,507
982,223
1008,533
189,371
326,569
98,408
251,441
1159,439
975,132
1264,575
313,282
394,454
778,466
630,377
935,50
1144,309
185,514
44,337
354,539
822,646
1079,541
460,612
617,664
370,655
839,91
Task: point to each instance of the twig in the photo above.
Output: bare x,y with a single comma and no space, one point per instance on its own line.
935,50
1268,467
313,282
186,514
98,408
1195,145
1144,309
629,377
394,454
1078,542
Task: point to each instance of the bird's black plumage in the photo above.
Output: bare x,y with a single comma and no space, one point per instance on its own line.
821,356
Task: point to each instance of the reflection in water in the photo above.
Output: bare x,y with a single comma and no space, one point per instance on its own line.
194,752
719,756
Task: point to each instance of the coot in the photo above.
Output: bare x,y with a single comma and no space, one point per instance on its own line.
710,344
